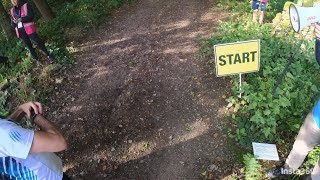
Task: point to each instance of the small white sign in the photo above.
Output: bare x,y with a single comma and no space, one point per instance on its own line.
265,151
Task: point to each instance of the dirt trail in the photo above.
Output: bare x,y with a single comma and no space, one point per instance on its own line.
139,104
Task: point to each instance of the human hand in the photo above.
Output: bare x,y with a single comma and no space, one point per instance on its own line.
317,30
29,106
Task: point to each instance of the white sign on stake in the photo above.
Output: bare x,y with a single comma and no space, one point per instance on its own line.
265,151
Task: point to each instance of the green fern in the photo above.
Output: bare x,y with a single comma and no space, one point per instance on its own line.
313,158
252,167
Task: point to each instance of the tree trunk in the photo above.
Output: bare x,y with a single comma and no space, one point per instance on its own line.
5,22
44,9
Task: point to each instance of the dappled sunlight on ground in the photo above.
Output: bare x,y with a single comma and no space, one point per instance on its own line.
139,103
144,148
184,49
173,26
195,129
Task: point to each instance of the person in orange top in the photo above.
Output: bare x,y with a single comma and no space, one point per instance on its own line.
22,21
256,5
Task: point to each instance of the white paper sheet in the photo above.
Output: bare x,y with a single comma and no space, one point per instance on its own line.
265,151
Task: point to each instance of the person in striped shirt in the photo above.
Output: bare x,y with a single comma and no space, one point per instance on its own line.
28,154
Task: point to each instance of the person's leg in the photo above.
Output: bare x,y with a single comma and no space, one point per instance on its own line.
255,7
25,38
34,37
40,44
261,17
254,16
307,139
316,171
263,8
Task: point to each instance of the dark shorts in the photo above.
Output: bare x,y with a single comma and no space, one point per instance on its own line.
257,4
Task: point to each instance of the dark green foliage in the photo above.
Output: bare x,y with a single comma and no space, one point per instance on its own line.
259,116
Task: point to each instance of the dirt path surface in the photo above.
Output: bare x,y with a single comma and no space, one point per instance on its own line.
139,104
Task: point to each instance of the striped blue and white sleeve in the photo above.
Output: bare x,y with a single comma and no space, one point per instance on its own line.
15,140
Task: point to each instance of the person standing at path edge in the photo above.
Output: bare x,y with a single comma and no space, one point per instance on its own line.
22,21
308,137
29,154
256,5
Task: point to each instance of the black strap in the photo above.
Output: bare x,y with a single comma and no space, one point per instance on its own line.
317,47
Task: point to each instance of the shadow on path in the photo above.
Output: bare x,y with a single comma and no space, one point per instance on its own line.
139,104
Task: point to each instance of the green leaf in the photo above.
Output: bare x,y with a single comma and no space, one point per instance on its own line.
314,88
236,107
267,112
266,132
289,75
284,102
297,126
242,131
276,109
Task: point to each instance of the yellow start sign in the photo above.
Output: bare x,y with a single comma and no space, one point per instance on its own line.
238,57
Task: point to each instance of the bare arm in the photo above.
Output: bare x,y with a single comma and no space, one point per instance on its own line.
48,139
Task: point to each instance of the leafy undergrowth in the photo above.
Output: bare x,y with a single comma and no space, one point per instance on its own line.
258,115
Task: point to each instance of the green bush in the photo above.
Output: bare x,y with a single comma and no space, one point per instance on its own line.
259,116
